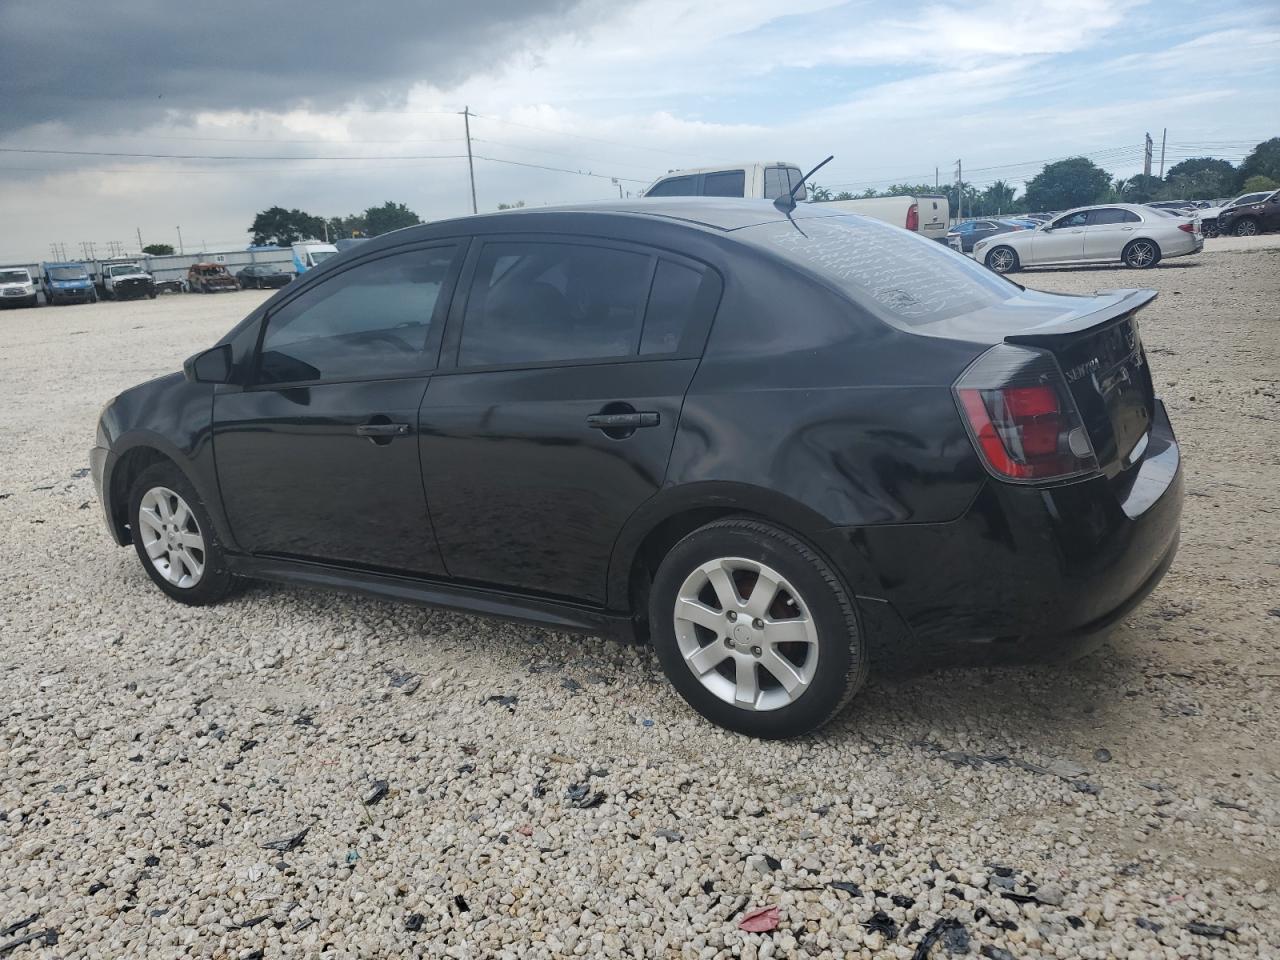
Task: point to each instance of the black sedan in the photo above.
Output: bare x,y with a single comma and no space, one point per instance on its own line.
770,444
263,277
971,231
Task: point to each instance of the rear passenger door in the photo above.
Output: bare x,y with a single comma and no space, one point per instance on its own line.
1109,229
571,358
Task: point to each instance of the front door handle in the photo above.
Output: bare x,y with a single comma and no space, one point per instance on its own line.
624,421
382,432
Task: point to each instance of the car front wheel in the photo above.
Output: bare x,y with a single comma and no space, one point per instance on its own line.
1003,260
175,539
1141,254
1246,227
755,630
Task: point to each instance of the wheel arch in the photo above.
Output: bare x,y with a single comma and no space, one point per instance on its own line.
136,453
663,521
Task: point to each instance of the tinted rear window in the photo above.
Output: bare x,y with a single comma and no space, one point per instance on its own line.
894,273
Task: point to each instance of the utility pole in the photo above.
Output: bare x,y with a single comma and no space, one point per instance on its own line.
617,183
960,190
1146,157
936,181
179,229
1163,137
471,167
139,229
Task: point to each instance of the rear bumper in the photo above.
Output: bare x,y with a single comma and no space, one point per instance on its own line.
1033,573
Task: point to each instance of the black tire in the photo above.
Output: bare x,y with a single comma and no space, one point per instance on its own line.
1001,264
151,295
215,581
841,650
1210,229
1141,254
1246,227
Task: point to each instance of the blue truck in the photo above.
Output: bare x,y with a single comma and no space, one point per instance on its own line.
67,283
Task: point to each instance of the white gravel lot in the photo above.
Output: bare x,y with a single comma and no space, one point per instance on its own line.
152,755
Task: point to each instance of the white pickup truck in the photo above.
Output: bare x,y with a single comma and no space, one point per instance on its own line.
927,215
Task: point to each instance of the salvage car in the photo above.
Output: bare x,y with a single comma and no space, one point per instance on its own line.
1251,219
1128,233
768,441
209,278
263,276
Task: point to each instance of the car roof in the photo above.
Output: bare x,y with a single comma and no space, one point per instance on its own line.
744,165
722,214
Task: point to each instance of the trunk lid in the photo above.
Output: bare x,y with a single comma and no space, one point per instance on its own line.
1100,353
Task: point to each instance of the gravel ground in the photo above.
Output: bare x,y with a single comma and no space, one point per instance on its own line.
300,774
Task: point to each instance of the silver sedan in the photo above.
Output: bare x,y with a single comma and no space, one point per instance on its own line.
1126,233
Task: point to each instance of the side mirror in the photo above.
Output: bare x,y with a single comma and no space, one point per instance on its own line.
211,366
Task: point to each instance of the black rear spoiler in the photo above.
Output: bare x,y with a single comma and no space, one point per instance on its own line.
1126,302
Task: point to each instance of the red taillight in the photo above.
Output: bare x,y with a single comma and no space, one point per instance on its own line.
1187,227
913,217
1022,417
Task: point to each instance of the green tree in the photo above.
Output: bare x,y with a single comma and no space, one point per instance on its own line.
344,228
390,216
819,194
1254,184
997,198
1074,182
1200,178
158,249
511,206
1263,160
1139,188
282,227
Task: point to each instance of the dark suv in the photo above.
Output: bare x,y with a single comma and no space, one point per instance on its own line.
769,444
1250,219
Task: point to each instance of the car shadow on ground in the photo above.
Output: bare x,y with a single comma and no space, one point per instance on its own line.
1110,267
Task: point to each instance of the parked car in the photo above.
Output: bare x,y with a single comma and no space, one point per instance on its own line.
67,283
1210,216
209,278
1127,233
927,215
18,288
263,276
126,281
765,443
971,231
1250,219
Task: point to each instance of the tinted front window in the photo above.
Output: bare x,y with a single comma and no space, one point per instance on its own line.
674,187
14,276
367,322
729,183
894,272
1074,220
68,273
534,302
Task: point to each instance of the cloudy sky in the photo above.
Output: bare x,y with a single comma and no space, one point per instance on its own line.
197,116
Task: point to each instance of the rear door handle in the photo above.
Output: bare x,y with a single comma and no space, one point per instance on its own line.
624,421
382,430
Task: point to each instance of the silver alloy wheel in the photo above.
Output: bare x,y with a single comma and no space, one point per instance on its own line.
1001,259
746,633
171,537
1247,228
1141,254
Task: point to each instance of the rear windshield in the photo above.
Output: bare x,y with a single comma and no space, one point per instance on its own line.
895,273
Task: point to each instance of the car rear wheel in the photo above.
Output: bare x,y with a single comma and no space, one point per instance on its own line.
755,630
1003,260
1141,254
1246,227
175,539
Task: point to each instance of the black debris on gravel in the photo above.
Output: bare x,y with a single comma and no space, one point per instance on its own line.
152,860
882,924
773,862
13,928
49,936
901,900
844,885
413,923
1151,925
1214,930
1076,922
504,700
380,789
995,953
580,796
935,933
289,843
460,902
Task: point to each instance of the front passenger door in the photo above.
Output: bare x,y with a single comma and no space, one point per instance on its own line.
1063,242
317,455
